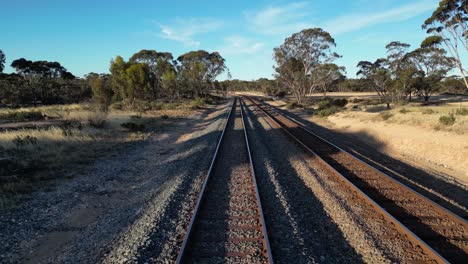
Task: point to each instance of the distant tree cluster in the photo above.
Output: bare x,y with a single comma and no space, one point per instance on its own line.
148,75
39,82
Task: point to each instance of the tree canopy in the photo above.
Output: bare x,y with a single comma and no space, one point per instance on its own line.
301,55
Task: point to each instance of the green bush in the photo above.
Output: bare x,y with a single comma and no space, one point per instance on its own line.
23,116
327,111
329,102
133,126
198,103
461,111
292,105
447,120
385,115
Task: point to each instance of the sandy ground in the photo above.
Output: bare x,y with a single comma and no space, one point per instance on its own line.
444,150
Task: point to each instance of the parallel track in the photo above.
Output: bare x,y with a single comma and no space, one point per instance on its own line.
228,223
442,235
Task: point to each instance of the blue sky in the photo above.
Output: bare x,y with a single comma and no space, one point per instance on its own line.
85,35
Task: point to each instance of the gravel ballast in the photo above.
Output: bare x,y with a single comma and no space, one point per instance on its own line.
320,221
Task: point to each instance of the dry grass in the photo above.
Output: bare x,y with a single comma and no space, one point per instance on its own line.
36,155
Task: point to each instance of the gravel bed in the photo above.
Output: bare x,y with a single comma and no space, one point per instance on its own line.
437,186
310,216
108,212
224,199
403,203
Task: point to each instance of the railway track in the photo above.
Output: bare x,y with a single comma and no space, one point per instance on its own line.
440,234
228,223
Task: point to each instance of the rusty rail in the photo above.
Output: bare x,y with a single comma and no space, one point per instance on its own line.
413,214
203,223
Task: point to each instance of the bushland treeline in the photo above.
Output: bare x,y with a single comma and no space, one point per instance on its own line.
305,63
147,75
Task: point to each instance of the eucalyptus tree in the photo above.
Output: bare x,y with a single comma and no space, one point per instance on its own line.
158,63
101,87
379,74
434,64
42,75
326,75
200,68
299,56
449,23
402,70
2,61
131,81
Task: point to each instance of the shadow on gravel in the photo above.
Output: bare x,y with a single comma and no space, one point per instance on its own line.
360,148
170,230
300,230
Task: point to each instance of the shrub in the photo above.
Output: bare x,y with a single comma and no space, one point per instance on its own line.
198,103
133,126
340,102
21,142
117,106
447,120
281,94
23,116
376,109
292,105
329,102
385,115
97,119
428,111
165,117
404,111
461,111
328,111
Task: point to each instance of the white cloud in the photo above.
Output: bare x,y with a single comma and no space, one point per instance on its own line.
356,22
276,20
185,30
240,45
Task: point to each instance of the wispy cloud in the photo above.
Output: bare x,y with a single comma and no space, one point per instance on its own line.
275,20
185,30
235,45
356,22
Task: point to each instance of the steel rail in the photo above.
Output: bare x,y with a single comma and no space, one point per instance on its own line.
266,250
202,192
436,205
402,228
265,233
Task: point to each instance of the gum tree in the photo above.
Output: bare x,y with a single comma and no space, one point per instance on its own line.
434,64
42,75
449,24
299,56
158,63
379,74
200,69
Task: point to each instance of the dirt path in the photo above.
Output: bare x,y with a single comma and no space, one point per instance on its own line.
108,210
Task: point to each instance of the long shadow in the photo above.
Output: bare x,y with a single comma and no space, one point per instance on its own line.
407,174
449,250
302,232
176,167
